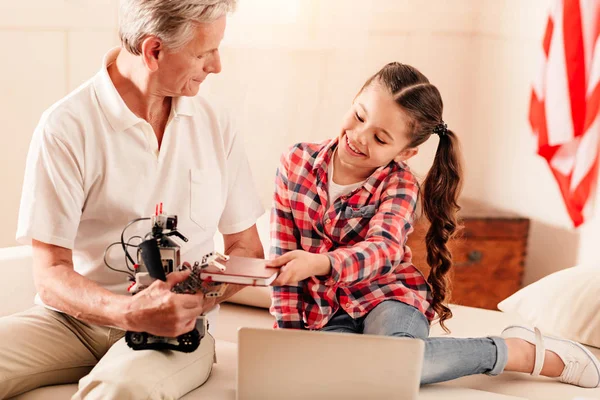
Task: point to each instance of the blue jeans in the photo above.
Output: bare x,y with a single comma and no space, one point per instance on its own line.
445,358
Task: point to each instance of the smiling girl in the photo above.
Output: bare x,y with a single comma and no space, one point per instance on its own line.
343,210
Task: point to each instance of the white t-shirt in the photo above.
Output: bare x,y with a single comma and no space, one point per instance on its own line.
334,190
93,166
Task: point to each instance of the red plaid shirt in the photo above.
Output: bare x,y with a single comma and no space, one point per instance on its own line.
363,233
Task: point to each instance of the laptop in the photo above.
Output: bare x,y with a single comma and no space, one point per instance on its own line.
295,364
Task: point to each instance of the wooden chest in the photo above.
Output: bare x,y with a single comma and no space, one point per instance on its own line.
488,254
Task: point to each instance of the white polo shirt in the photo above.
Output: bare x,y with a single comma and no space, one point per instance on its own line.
93,166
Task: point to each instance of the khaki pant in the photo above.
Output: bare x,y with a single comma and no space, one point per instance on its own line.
40,347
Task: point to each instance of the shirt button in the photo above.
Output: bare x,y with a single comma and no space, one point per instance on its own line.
348,305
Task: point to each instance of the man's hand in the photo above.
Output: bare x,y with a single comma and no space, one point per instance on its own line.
159,311
297,265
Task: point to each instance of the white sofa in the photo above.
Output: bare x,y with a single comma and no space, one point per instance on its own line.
17,291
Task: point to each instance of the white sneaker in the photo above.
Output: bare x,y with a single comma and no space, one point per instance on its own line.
581,367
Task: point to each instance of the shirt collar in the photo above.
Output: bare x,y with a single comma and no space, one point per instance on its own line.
323,158
114,108
184,105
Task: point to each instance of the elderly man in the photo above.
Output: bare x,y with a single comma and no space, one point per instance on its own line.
133,136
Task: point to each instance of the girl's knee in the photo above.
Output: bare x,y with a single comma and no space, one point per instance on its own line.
393,318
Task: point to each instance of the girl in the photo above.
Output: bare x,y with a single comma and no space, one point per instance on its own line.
342,212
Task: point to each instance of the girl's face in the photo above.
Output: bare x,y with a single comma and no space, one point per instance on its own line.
374,131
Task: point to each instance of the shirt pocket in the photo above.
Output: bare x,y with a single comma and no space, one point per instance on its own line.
353,221
205,198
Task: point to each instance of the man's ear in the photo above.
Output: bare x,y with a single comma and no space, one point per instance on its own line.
406,154
151,49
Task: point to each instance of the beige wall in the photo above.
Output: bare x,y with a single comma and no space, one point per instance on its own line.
291,68
49,48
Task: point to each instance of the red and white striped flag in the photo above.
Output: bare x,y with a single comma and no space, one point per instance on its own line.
565,102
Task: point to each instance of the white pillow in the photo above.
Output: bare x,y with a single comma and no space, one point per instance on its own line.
565,303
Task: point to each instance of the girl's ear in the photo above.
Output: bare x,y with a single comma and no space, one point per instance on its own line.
406,154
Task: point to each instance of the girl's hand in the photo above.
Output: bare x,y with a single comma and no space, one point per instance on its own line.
297,265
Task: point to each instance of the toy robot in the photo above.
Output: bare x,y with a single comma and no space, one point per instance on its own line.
157,256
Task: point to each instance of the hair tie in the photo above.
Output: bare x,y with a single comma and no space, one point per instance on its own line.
441,129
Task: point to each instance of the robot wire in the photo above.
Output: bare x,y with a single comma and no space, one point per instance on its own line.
124,245
114,269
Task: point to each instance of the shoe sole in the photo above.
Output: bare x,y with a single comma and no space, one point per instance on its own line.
530,337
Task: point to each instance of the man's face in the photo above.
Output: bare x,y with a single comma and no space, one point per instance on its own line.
180,73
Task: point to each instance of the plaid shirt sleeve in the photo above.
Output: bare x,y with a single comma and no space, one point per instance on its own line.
383,247
286,306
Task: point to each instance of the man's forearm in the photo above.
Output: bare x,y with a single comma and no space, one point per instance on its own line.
62,288
238,249
243,251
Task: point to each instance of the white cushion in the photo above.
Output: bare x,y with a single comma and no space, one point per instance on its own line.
16,285
467,322
565,303
253,296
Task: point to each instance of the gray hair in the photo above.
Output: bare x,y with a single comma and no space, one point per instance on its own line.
172,21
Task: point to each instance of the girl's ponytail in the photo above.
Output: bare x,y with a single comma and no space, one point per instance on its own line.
439,196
